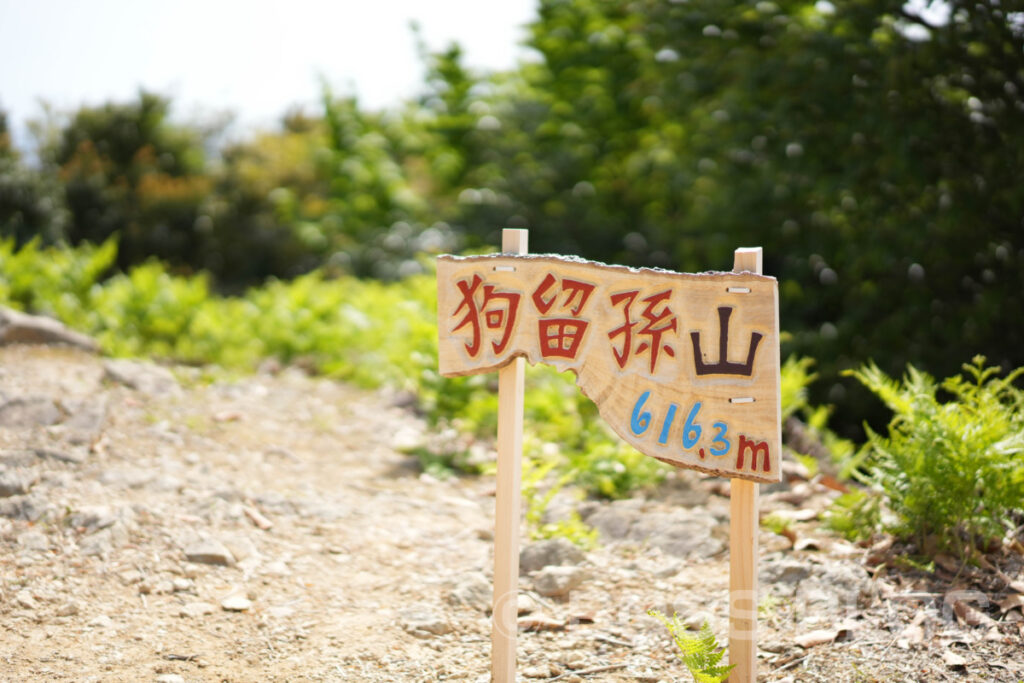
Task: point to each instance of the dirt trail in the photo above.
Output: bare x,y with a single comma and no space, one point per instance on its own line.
159,526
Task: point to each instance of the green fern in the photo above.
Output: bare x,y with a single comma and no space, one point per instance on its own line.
949,470
701,654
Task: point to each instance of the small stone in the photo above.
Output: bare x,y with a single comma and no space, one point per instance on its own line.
696,621
99,544
196,609
681,533
25,599
21,328
170,678
102,621
146,378
241,548
16,482
236,603
26,412
28,508
557,581
93,518
953,660
277,568
538,671
209,551
473,591
130,577
68,609
180,584
422,621
613,521
525,604
34,540
547,553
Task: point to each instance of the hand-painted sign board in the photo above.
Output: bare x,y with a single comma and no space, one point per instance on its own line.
684,367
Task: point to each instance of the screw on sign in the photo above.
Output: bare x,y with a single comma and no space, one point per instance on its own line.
642,344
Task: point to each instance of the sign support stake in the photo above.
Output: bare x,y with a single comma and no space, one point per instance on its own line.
507,501
743,530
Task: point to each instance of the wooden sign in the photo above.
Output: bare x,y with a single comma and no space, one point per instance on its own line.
684,367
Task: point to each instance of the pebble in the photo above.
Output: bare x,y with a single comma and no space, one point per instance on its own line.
557,581
196,609
525,604
34,540
423,621
102,621
26,412
25,599
209,551
236,603
473,591
68,609
145,378
16,482
170,678
22,328
549,552
28,508
696,621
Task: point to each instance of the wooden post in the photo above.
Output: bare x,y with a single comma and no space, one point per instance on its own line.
743,530
507,501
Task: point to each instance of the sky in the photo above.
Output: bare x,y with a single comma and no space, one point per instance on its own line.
254,57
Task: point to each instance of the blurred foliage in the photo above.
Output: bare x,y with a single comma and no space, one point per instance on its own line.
31,204
872,147
874,156
365,331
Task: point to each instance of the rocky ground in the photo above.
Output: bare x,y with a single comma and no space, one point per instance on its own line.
169,525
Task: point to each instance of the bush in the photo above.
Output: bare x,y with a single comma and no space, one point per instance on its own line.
949,473
362,331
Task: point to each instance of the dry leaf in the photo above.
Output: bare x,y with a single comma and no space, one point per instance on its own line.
994,635
1012,583
913,635
953,660
1010,602
809,640
540,623
806,544
948,563
966,614
879,551
831,482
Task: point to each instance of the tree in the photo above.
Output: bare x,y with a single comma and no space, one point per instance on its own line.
127,170
874,153
31,205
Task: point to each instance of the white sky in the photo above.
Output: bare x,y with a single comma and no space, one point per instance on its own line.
254,57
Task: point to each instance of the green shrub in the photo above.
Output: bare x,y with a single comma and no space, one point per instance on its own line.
951,471
362,331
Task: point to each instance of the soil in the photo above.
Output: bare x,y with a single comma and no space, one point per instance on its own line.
175,524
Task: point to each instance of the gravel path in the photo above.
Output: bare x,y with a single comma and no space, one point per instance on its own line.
163,525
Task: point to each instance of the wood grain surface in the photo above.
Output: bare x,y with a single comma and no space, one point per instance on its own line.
684,367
